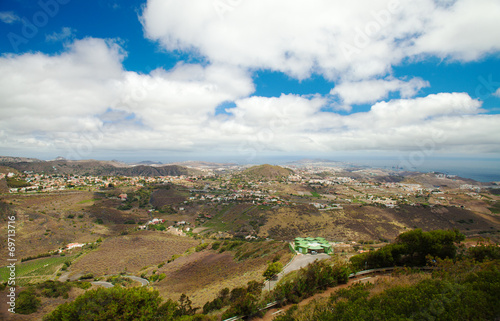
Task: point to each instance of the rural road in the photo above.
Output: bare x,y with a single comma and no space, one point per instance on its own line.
143,282
298,262
102,283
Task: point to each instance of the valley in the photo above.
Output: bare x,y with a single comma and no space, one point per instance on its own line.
199,230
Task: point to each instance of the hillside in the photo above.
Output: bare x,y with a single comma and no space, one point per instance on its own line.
371,222
267,171
95,167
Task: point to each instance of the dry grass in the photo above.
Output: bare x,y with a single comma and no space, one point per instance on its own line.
132,253
48,221
202,275
371,222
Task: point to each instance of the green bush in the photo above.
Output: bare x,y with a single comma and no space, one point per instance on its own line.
116,303
272,270
27,302
201,247
216,245
54,289
412,249
87,276
318,276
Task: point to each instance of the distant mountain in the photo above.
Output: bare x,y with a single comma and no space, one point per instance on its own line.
10,159
317,162
147,162
95,167
201,164
267,171
167,170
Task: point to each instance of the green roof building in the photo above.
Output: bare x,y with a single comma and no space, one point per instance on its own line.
312,245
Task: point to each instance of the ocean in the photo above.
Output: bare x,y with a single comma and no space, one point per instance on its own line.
481,170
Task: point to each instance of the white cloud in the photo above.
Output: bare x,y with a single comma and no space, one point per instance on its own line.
350,41
9,17
465,31
65,33
82,101
369,91
497,93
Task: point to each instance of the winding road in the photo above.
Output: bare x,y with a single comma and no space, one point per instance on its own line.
143,282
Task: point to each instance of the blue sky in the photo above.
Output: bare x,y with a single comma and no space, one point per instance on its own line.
248,81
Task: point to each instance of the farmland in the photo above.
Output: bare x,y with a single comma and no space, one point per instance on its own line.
36,270
131,253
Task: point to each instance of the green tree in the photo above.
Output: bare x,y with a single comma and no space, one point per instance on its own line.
272,270
27,302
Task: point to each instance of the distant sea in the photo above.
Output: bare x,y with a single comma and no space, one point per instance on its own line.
481,170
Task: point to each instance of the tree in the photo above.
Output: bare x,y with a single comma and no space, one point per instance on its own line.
272,270
27,302
412,248
116,303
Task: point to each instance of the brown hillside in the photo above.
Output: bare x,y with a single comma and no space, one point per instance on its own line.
267,171
372,222
132,253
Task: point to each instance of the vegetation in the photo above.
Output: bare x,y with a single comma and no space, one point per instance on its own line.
16,183
272,270
462,290
139,198
411,249
241,301
124,304
27,302
317,277
36,269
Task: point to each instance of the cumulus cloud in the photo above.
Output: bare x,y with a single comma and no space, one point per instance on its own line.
350,41
9,17
85,95
464,31
82,101
65,33
369,91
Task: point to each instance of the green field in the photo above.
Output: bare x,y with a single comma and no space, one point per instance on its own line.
36,269
315,194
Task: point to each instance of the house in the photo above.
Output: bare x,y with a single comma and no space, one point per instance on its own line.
312,245
71,246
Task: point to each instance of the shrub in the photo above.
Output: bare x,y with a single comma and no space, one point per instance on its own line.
116,303
216,245
54,289
411,248
27,302
201,247
87,276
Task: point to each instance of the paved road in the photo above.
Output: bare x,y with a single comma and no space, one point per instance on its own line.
104,284
143,282
298,262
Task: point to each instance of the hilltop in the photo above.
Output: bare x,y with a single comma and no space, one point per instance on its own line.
267,171
94,167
